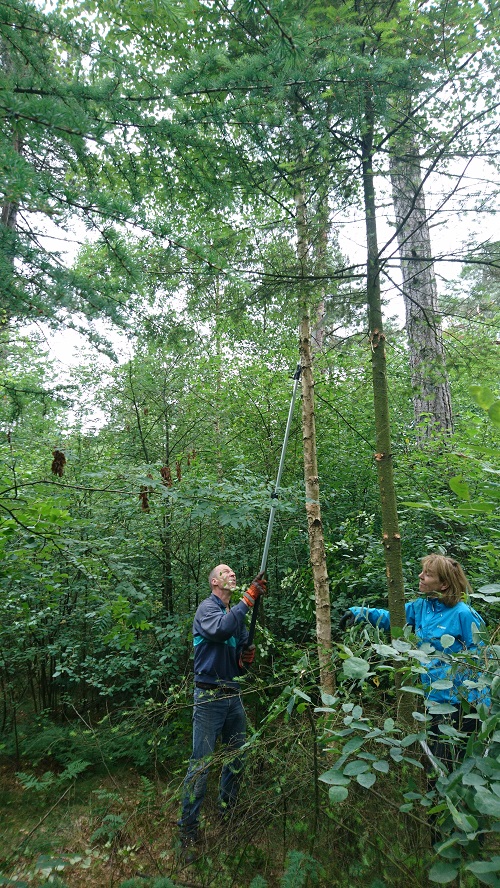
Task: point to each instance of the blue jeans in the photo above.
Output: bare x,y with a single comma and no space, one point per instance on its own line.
216,714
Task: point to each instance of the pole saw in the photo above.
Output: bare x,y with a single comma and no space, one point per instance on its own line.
274,497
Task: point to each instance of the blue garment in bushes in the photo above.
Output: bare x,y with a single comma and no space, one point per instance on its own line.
430,619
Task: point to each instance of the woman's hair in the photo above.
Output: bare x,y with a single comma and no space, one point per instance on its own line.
448,571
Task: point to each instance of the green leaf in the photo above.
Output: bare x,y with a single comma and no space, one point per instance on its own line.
381,766
460,487
473,779
352,769
494,413
356,668
483,396
490,589
334,778
443,872
484,866
366,779
449,730
482,506
337,794
447,640
487,803
466,823
440,708
409,689
352,745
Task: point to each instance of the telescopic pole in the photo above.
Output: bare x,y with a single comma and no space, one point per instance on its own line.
274,497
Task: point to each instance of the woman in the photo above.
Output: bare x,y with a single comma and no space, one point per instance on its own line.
440,609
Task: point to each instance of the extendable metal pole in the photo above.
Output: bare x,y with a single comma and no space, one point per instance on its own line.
274,497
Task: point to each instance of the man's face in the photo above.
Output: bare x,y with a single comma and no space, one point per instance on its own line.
429,583
225,577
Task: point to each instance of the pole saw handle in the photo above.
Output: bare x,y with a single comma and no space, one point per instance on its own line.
274,498
253,621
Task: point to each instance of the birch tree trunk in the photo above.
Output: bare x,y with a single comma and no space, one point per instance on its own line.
431,390
311,478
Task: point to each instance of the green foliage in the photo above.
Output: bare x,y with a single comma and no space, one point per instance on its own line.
49,779
160,882
109,829
368,749
301,870
180,140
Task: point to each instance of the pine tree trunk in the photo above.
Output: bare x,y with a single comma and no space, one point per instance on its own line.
313,510
431,390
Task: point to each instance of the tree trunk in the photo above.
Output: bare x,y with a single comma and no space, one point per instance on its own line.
321,250
8,220
431,390
313,510
167,581
391,539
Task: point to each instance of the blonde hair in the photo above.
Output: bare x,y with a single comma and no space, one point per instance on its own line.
448,571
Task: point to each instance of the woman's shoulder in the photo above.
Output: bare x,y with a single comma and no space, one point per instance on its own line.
468,612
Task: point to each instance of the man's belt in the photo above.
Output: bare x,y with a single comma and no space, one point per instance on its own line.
205,686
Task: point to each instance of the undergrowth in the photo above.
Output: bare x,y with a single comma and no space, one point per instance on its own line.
109,822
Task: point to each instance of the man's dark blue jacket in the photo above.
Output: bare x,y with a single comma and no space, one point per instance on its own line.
219,638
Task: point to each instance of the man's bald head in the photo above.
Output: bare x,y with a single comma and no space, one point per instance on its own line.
222,579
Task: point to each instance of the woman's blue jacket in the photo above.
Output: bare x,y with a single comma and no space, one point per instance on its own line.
430,619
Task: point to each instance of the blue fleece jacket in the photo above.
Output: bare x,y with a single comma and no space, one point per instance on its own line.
430,619
218,638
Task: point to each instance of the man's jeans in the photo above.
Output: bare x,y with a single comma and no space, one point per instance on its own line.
216,714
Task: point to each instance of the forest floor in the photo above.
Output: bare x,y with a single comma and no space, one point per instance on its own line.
106,829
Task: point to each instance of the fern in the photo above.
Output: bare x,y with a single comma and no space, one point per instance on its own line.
110,828
301,868
37,784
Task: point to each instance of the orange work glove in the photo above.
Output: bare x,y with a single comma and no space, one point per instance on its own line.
256,588
247,657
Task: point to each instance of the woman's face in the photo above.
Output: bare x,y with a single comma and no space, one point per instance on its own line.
429,583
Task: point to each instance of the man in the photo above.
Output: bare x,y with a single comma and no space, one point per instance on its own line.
221,657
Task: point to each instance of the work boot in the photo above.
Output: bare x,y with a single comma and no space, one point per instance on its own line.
189,847
225,813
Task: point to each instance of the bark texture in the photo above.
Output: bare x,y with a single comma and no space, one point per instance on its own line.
313,509
431,390
391,538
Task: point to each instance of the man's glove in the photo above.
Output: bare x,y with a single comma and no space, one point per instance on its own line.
348,619
247,657
256,588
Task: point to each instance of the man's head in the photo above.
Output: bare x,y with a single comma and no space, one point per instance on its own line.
222,581
443,578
